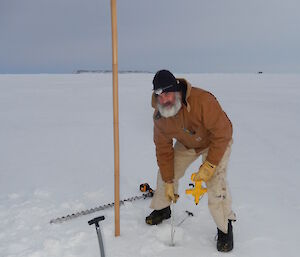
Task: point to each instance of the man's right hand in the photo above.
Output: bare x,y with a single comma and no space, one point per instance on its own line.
169,192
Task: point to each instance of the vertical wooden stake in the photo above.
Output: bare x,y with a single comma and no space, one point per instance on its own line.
116,114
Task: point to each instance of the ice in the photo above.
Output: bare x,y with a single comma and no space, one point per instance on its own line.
56,156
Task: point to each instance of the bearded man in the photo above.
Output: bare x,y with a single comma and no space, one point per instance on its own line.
195,119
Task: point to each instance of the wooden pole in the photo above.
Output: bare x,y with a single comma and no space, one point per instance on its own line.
116,114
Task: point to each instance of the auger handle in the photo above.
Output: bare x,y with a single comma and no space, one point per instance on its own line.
145,187
96,220
100,241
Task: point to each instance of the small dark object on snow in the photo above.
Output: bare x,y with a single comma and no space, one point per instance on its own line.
157,216
225,241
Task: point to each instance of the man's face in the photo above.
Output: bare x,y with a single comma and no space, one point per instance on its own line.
169,103
167,99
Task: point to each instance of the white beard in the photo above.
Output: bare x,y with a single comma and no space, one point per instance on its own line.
168,111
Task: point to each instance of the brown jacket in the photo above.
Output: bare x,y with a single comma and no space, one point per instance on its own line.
200,123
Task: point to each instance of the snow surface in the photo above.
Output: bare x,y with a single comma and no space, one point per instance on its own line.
56,158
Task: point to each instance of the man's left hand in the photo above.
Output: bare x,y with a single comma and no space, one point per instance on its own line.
206,171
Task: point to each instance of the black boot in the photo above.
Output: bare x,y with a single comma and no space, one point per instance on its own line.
225,241
157,216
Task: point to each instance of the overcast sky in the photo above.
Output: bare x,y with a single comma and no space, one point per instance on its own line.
61,36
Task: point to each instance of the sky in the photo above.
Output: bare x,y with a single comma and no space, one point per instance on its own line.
62,36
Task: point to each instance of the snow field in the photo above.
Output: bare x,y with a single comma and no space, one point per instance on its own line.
56,158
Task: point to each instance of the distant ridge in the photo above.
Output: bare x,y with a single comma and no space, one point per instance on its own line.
109,71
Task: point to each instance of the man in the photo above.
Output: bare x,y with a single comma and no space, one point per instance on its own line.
196,120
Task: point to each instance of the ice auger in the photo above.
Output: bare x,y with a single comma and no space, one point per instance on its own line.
197,191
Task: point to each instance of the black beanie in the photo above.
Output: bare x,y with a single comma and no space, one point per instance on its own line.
165,81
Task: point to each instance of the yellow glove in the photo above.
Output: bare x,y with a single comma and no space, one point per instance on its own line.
169,192
206,171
